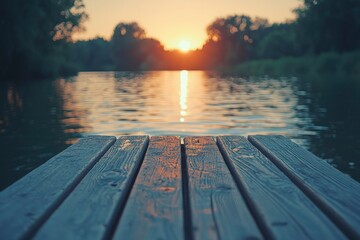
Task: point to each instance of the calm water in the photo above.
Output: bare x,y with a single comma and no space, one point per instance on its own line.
40,118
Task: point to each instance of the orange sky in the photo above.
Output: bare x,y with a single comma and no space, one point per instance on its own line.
173,21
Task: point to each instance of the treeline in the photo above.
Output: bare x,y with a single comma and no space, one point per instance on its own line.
320,26
38,40
230,41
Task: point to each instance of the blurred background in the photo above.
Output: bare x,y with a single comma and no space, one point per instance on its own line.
71,68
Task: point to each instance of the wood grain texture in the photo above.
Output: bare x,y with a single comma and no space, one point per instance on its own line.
26,204
332,191
217,208
154,209
91,209
281,207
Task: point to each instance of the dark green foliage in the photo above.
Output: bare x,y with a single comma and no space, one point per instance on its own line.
325,38
93,55
281,40
329,25
36,35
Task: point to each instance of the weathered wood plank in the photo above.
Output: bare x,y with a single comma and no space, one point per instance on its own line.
26,204
335,193
282,208
92,208
154,209
217,208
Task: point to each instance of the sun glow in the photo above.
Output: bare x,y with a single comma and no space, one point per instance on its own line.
184,46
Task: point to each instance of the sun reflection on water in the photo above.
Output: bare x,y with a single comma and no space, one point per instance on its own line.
178,103
184,77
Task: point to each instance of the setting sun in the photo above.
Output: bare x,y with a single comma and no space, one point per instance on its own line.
184,46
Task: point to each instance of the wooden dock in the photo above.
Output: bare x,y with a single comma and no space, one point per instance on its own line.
136,187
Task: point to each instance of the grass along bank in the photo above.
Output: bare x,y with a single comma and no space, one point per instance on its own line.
326,63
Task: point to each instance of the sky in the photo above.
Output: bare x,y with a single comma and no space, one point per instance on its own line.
174,22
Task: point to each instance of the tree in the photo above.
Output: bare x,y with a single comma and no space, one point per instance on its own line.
329,25
132,50
231,39
125,42
279,41
36,36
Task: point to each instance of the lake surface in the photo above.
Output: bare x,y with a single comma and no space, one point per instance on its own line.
38,119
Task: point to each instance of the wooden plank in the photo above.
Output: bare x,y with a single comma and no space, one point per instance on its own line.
92,208
332,191
26,204
154,209
217,208
282,208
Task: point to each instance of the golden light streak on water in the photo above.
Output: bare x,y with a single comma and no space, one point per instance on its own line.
184,78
